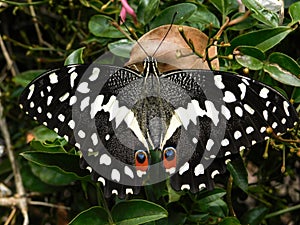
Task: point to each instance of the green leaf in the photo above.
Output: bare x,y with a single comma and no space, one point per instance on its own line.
239,173
93,216
264,39
249,57
294,10
295,96
225,7
121,47
26,77
33,183
134,212
101,26
285,62
248,23
146,10
42,133
281,75
66,163
183,10
204,17
47,147
230,221
254,216
52,175
206,197
262,14
75,57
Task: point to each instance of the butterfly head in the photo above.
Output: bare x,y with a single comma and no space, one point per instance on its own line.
150,66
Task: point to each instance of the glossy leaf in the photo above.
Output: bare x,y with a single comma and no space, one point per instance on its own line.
33,183
264,39
65,162
262,14
75,57
26,77
249,57
93,216
52,175
210,196
42,133
204,17
225,7
285,62
294,10
146,10
47,147
255,216
230,221
239,173
136,212
296,95
101,26
183,10
121,47
281,75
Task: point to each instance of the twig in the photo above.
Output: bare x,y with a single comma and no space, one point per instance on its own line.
48,205
228,198
11,216
22,203
9,62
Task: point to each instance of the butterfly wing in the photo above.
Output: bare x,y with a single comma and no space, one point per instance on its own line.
233,113
79,103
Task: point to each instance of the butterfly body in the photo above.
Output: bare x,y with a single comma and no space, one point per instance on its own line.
195,119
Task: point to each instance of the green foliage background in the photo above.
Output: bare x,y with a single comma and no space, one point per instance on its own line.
265,47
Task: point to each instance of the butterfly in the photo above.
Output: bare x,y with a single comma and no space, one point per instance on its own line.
139,128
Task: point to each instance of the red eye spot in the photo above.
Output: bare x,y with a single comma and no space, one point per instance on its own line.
141,160
169,158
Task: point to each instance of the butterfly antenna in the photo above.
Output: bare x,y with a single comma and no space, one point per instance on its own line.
123,22
172,22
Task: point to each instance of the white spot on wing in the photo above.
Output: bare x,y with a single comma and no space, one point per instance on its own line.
83,88
128,172
39,109
274,125
95,74
285,107
264,92
283,121
49,100
199,169
225,142
185,167
107,137
49,115
226,112
249,109
249,130
102,180
94,138
64,97
209,144
73,100
96,106
229,97
212,112
214,173
129,191
31,90
61,117
265,114
237,134
71,124
218,82
31,104
243,89
185,186
85,103
105,159
53,78
238,111
202,186
115,175
72,79
81,134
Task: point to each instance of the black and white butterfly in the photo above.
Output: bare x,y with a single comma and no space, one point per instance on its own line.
194,120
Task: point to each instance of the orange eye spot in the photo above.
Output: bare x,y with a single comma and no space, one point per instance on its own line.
141,160
169,158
